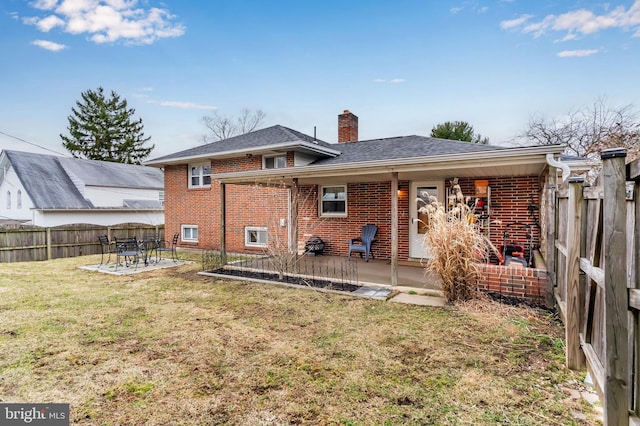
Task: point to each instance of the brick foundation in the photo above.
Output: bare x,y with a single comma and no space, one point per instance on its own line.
528,284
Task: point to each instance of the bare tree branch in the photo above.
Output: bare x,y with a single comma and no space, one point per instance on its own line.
587,131
223,127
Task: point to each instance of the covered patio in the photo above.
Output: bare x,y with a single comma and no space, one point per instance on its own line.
387,193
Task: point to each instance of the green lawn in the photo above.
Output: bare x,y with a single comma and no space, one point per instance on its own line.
172,347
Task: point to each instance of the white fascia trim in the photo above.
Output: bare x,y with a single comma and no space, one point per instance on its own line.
99,209
513,155
239,152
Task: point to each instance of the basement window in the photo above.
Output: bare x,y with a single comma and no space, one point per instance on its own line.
255,236
189,233
333,200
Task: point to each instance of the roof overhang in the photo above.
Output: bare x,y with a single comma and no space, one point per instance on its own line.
297,146
96,210
527,161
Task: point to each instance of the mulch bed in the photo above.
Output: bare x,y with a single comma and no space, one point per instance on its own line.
287,279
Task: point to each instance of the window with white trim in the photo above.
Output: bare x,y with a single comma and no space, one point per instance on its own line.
161,198
189,233
8,200
19,199
200,175
255,236
333,200
274,162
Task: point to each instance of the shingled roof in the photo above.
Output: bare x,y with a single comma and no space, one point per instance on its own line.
401,147
269,137
49,180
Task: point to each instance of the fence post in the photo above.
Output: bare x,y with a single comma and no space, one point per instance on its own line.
575,356
48,238
634,174
616,362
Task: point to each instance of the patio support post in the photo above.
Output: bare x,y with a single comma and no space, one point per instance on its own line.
550,251
293,220
394,228
223,218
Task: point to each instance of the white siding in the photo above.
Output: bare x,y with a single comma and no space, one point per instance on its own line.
12,184
104,196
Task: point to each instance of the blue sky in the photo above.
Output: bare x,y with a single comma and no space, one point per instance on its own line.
402,66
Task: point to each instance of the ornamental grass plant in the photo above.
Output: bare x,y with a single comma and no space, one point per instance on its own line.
455,243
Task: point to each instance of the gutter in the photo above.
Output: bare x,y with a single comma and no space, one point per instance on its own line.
566,171
401,164
99,209
239,152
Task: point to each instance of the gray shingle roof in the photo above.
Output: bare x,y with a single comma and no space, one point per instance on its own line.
401,147
351,152
48,179
260,138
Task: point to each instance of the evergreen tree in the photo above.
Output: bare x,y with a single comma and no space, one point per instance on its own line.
103,128
458,131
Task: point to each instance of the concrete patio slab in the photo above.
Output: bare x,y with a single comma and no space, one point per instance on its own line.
110,268
373,292
418,299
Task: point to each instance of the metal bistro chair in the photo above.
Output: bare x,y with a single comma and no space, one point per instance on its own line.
363,243
164,246
129,250
105,248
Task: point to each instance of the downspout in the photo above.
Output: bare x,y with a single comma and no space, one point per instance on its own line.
566,171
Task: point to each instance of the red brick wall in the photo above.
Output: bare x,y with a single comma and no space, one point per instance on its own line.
366,203
510,199
529,284
246,206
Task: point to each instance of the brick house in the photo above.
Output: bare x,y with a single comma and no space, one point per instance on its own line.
341,187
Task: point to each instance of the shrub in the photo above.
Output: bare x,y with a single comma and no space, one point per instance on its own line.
455,244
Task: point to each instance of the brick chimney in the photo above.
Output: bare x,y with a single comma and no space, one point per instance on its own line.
347,127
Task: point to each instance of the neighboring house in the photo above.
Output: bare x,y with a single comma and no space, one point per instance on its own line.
237,193
48,190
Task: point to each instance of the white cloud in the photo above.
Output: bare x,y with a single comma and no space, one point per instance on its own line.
580,22
185,105
577,53
512,23
51,21
49,45
455,10
44,4
107,21
392,81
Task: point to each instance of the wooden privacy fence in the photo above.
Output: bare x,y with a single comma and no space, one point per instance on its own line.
597,282
29,243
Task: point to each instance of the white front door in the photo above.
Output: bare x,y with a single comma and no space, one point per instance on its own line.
420,221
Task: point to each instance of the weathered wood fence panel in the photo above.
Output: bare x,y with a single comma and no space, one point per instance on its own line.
597,285
31,243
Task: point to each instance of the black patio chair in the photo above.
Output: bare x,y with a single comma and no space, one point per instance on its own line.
106,248
363,243
129,251
165,246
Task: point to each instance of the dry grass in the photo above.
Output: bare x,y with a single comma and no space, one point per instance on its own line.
172,347
455,244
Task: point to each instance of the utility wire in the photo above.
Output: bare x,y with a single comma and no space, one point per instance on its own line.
31,143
